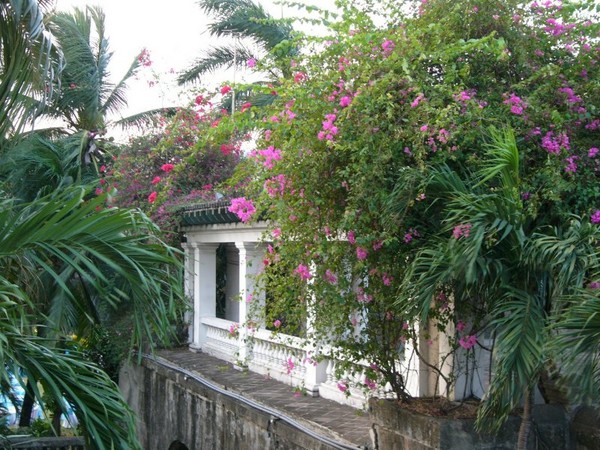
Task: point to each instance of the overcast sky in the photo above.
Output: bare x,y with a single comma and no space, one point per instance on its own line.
174,35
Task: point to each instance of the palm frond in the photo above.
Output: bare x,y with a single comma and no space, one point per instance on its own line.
519,321
100,246
146,119
214,59
576,346
28,66
502,159
246,18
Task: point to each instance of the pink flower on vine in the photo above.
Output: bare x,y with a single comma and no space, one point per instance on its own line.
594,285
468,341
243,208
351,237
303,271
370,383
388,47
343,387
387,280
289,364
345,101
225,89
251,63
361,253
152,197
593,152
460,325
276,232
277,323
595,217
155,180
330,277
167,167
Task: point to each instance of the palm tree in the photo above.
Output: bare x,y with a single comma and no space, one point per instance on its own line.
63,256
246,21
524,275
90,255
83,100
28,65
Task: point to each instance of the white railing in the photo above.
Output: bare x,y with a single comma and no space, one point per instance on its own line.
279,356
291,360
221,340
351,385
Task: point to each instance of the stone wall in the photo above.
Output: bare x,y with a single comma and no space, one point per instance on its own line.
398,429
177,411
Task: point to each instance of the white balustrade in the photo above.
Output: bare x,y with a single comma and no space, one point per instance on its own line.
219,341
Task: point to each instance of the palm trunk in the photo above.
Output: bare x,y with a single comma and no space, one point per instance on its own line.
27,407
525,427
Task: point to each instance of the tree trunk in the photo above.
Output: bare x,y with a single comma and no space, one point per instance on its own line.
525,427
56,420
27,407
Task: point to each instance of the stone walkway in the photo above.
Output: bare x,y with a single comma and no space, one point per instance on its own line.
344,424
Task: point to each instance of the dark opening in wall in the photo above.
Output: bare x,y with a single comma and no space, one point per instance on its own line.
177,445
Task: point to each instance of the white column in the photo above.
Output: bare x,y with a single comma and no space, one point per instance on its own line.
205,289
251,255
232,288
316,373
188,267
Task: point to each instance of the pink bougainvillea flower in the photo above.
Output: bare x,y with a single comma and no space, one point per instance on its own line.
361,253
387,280
351,237
277,323
152,197
460,325
226,149
468,341
99,191
251,62
299,77
243,208
167,167
225,89
276,232
246,106
345,101
370,383
388,46
593,152
343,387
594,285
330,277
595,217
155,180
290,365
303,271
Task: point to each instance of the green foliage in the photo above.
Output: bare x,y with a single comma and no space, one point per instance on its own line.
414,171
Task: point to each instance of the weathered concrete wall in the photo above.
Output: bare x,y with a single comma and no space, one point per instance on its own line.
399,429
173,407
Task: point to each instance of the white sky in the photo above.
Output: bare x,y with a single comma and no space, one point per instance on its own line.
175,35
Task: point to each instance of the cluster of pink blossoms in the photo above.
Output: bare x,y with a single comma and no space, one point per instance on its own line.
242,208
268,155
517,105
554,144
329,129
275,186
303,272
595,217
